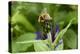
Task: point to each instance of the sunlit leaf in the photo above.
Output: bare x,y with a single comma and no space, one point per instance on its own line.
16,47
20,47
41,46
27,37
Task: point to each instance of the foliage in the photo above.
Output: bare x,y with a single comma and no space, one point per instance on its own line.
24,25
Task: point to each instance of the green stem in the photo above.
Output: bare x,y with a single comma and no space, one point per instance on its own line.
49,40
60,35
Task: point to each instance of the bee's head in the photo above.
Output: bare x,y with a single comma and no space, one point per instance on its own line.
41,18
44,17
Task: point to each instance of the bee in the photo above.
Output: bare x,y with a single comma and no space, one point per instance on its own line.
45,21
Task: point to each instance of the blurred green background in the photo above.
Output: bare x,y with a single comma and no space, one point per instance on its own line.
24,22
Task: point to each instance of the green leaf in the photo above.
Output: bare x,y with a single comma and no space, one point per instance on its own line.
31,41
20,47
61,33
19,18
70,39
16,47
27,37
41,46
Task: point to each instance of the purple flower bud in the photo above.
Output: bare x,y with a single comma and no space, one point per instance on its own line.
54,35
57,28
38,35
